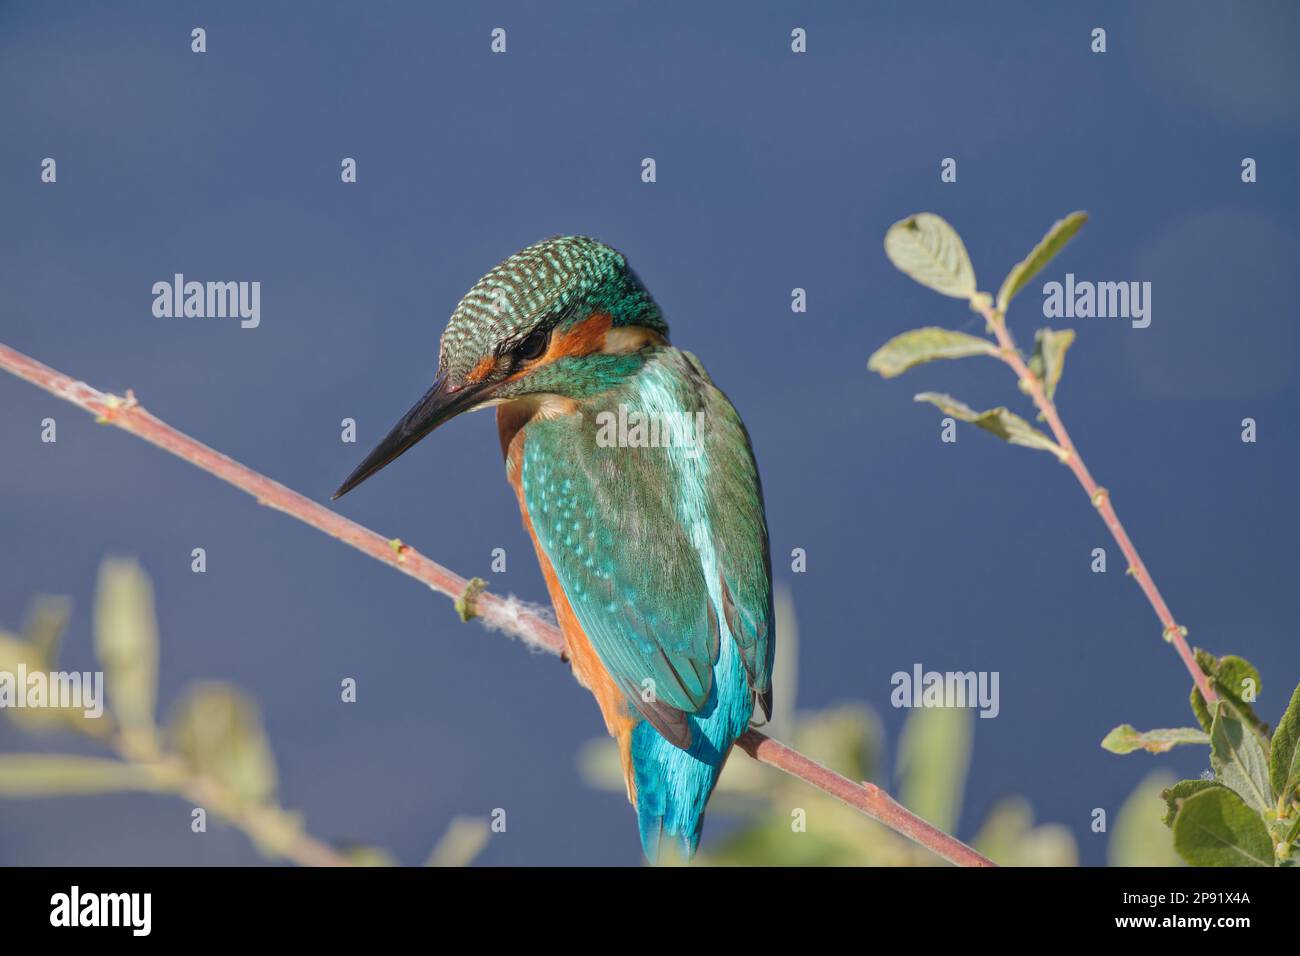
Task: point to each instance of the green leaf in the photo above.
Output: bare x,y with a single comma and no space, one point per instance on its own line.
1062,231
1239,761
55,775
933,755
1005,424
929,250
1179,792
218,731
1284,756
1233,679
1124,739
126,640
925,345
1048,360
1215,828
1236,679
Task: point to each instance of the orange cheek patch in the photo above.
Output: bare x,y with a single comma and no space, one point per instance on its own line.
481,370
584,338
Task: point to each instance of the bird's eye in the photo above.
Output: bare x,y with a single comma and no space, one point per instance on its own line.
533,346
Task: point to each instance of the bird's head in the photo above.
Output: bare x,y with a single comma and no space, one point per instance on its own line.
565,318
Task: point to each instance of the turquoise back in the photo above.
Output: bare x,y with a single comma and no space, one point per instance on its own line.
662,551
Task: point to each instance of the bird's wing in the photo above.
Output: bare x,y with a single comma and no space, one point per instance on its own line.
739,528
605,518
622,528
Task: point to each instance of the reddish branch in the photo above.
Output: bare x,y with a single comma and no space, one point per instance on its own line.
866,797
1099,496
497,612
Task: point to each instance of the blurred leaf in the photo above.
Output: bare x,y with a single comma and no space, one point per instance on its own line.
1124,739
218,731
461,844
45,627
18,657
10,643
1284,758
773,842
744,785
598,764
16,653
126,640
56,775
1179,792
929,250
1008,837
1239,761
1048,360
933,756
276,839
1215,828
1230,676
359,855
925,345
1138,837
1062,231
1006,425
785,666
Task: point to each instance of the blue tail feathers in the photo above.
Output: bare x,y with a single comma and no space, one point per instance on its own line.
673,785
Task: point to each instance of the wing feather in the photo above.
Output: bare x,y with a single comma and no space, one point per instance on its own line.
610,521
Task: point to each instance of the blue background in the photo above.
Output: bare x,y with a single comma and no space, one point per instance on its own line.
775,170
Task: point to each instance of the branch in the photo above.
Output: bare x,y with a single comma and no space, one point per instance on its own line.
274,830
506,615
268,826
1098,495
866,798
127,414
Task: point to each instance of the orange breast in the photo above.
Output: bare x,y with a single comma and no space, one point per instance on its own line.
620,718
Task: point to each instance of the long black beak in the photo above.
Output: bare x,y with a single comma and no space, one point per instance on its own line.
440,403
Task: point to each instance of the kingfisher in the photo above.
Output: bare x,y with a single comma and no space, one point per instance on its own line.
651,536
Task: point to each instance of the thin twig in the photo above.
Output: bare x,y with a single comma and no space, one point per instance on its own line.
506,615
1098,495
